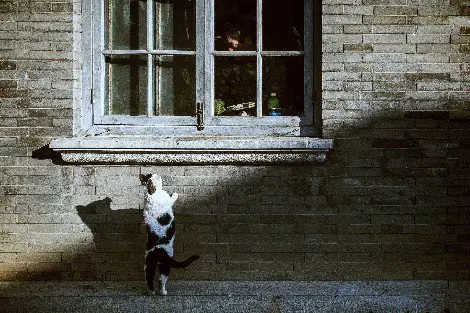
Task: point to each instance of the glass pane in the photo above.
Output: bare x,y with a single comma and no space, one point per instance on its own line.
283,25
126,79
175,25
175,85
283,86
235,25
127,24
235,86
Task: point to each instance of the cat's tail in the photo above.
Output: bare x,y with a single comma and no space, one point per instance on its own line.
162,256
185,263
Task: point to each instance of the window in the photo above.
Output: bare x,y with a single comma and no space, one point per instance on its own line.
216,70
153,61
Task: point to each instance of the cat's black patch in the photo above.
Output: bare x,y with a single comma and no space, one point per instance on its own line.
170,232
151,188
145,180
154,240
164,219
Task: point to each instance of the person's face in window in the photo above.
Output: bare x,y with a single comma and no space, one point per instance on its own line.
232,42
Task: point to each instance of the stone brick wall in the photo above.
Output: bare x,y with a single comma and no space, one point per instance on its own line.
391,201
387,55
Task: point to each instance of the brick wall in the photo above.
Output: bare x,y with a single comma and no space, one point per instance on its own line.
391,202
387,55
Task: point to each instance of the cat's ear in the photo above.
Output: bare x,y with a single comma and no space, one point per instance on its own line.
174,196
144,178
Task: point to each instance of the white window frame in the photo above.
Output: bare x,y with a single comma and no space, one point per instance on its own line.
172,139
205,54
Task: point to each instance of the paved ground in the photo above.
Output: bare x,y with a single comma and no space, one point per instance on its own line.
205,296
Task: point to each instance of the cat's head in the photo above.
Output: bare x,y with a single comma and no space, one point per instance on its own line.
154,185
152,182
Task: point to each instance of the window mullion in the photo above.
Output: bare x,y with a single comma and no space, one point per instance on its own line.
259,59
103,44
123,52
282,53
200,53
209,55
150,74
308,60
235,53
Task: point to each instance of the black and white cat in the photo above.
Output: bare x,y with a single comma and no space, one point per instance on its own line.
160,224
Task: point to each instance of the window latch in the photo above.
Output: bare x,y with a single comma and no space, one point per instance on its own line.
199,116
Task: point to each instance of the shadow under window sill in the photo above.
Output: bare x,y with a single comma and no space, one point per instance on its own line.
191,150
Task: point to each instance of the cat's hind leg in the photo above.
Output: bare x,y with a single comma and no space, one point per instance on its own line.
163,280
164,270
150,269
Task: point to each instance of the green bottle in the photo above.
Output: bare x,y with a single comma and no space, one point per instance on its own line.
274,106
219,107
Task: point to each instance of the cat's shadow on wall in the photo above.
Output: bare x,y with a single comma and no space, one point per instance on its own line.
118,241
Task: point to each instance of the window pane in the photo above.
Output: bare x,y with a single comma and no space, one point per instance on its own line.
235,85
126,79
175,85
284,77
283,25
127,24
235,25
175,26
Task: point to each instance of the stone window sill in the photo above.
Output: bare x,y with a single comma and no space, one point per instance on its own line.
192,150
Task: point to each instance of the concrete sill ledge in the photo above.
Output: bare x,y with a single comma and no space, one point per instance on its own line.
192,150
